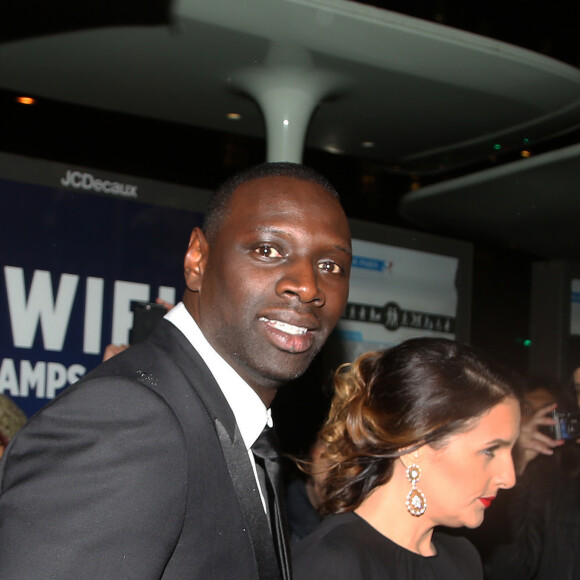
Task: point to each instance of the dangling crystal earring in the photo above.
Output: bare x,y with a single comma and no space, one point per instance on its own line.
416,502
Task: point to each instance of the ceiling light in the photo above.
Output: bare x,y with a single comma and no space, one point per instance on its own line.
234,116
26,100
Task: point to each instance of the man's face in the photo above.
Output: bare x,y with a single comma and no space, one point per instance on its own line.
275,281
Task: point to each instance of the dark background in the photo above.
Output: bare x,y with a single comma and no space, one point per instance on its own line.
370,188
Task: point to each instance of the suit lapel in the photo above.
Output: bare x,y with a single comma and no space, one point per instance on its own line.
233,448
244,482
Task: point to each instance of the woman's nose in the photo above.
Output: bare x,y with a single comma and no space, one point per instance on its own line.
507,476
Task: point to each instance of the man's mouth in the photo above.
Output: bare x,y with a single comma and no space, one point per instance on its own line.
284,326
288,337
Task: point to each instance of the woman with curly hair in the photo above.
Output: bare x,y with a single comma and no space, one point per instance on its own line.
418,436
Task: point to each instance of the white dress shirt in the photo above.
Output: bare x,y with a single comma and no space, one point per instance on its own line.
250,412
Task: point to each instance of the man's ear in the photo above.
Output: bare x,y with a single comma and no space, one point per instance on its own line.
195,260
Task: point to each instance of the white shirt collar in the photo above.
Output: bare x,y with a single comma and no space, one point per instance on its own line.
250,412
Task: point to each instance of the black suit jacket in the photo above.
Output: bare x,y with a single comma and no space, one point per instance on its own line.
137,471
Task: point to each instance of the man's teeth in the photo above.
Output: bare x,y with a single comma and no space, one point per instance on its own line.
285,327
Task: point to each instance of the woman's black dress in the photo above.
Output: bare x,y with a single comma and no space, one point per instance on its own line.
346,547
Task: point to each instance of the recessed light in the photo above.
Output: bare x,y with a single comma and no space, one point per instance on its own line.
26,100
368,144
234,116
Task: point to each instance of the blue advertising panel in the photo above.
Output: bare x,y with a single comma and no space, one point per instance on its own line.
78,246
397,293
71,263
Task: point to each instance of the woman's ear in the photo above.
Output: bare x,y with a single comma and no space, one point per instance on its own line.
410,455
195,260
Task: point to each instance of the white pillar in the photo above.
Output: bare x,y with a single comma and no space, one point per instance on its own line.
287,88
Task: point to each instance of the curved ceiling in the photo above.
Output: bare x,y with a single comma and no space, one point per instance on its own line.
531,204
425,95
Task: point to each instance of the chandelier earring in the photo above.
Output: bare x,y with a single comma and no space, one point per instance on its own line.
416,502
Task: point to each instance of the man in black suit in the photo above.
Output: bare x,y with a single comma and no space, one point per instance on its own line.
144,468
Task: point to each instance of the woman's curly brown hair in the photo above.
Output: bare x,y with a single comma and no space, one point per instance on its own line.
387,403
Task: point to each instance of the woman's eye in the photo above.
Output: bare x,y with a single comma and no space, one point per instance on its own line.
490,451
331,267
268,252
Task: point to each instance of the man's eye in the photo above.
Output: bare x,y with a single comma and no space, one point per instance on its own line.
331,267
268,252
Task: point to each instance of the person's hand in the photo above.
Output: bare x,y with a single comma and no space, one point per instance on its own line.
532,441
112,349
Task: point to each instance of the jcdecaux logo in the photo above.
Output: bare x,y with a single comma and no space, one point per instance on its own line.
87,181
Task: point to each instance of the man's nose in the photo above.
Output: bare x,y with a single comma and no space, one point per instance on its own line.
302,279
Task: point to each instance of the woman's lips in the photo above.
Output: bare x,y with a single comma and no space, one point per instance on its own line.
486,501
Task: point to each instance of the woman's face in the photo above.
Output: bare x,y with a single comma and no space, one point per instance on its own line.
461,479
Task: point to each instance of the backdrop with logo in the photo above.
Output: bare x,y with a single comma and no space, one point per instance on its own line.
397,293
74,255
78,245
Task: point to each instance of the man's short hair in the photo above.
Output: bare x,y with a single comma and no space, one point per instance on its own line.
218,207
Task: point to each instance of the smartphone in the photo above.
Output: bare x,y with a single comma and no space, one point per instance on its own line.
567,425
146,316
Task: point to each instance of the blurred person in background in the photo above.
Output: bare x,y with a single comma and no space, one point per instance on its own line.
534,532
304,494
12,418
538,404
